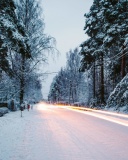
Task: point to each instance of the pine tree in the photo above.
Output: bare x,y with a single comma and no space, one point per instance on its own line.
116,27
92,49
12,34
107,27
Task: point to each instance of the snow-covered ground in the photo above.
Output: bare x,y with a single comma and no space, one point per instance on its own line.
55,133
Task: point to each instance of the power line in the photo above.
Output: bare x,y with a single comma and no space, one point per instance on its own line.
51,73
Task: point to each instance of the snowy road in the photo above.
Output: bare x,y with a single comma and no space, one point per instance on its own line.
53,133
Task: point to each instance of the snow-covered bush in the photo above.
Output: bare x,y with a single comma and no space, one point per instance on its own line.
119,97
4,110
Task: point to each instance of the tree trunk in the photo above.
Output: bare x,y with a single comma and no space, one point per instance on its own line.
22,80
123,65
102,79
94,83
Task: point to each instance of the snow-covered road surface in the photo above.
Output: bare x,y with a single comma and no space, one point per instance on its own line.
107,115
53,133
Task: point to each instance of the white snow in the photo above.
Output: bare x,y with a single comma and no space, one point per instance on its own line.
55,133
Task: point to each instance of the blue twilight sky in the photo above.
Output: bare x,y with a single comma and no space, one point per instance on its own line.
64,20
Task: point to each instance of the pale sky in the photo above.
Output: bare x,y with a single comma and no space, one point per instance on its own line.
64,20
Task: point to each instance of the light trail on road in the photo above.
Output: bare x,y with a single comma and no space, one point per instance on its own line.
99,111
109,116
105,117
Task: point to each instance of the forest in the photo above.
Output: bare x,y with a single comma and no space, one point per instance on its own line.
96,73
23,48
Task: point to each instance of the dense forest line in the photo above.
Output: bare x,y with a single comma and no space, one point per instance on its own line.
97,74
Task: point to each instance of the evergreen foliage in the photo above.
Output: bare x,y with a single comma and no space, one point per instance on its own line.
69,84
12,34
119,97
104,53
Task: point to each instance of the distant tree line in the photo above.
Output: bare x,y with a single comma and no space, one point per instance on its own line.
23,46
69,84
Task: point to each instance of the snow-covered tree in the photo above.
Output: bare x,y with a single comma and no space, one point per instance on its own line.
12,34
69,84
104,53
116,28
92,50
119,97
29,12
